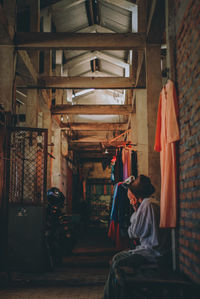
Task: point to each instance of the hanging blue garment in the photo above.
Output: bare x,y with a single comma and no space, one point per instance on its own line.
119,216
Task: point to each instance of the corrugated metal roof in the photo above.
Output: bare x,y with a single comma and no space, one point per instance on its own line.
95,16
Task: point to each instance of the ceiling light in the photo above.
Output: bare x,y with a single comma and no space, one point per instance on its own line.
61,118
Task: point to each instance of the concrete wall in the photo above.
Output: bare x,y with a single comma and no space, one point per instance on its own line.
6,78
95,170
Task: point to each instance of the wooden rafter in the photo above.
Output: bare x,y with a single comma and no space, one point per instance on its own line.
91,139
80,41
27,61
94,126
83,83
92,109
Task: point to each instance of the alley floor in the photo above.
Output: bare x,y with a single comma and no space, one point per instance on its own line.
81,275
88,292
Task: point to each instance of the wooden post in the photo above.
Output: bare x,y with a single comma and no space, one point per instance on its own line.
32,95
142,131
47,120
7,68
154,84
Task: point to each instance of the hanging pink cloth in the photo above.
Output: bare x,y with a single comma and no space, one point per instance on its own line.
167,132
126,159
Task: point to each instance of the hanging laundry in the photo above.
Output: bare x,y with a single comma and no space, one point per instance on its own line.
126,159
118,168
167,133
119,217
134,164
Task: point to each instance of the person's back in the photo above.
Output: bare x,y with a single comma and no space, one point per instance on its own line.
145,226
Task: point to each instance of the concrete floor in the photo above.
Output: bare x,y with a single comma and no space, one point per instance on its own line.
88,292
81,275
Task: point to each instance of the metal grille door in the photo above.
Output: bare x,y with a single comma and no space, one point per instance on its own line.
28,166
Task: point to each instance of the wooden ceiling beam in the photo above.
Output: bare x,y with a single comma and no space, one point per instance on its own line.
93,109
95,145
80,41
82,83
89,139
95,126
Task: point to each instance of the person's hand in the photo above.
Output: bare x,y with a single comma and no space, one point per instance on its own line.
133,200
136,205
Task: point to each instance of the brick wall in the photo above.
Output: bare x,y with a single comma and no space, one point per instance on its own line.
187,22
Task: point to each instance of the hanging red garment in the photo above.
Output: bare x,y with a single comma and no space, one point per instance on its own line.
167,132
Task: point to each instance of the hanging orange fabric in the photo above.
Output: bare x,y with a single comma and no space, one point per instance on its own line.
167,133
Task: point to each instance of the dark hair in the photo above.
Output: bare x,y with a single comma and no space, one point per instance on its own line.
141,187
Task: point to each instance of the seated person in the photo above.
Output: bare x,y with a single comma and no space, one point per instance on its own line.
145,226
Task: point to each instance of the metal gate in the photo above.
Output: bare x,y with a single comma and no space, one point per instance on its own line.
28,166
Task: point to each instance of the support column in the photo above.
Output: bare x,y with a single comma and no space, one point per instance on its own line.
32,94
7,67
7,74
142,131
47,120
56,165
154,85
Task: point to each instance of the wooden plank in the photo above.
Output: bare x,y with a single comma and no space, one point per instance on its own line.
46,97
170,39
81,59
139,67
80,41
142,15
89,139
156,23
112,59
87,82
27,61
95,145
3,25
82,83
134,66
122,4
92,109
95,126
151,13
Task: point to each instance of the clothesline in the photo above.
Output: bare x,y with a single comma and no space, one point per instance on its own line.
117,137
